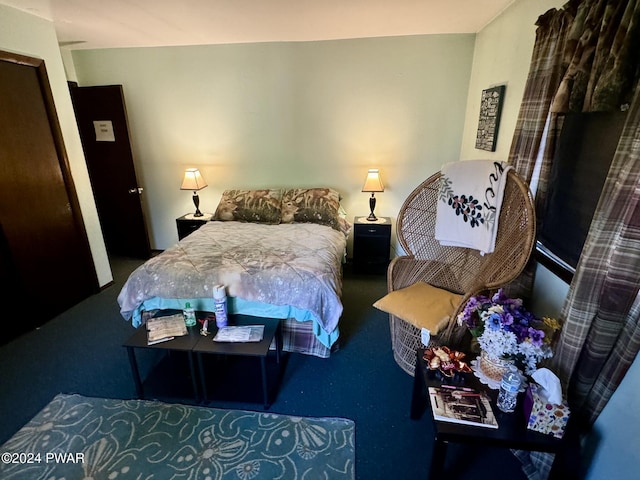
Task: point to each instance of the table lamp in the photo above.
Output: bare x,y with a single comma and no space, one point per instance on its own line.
373,184
193,181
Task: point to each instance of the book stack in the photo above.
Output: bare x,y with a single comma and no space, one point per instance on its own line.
463,405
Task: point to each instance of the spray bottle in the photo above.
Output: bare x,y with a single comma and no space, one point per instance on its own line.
220,300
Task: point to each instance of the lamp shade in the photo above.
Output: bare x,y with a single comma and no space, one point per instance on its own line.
193,180
373,183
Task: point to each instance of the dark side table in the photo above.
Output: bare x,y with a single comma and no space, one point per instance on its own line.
189,223
512,431
179,344
196,346
259,350
371,245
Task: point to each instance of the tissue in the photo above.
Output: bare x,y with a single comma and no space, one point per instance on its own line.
545,410
550,384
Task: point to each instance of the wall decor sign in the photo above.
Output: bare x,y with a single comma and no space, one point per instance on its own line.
490,109
104,131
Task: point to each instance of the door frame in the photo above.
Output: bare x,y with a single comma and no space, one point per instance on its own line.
58,140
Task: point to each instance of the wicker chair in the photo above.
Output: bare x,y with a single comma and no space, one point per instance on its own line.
457,269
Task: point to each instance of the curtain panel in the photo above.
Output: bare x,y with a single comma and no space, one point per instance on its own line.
531,148
587,58
597,343
543,80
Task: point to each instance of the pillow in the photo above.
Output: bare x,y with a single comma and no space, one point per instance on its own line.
311,205
422,305
344,226
259,206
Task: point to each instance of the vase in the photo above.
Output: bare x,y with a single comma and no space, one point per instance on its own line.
493,367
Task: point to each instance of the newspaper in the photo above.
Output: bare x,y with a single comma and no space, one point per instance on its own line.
162,329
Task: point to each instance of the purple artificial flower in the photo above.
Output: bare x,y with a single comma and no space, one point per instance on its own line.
498,321
471,311
536,336
529,317
472,304
521,332
499,297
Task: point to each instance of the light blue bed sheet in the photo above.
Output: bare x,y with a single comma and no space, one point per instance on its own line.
241,306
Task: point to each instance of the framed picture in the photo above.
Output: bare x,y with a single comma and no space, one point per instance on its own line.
490,110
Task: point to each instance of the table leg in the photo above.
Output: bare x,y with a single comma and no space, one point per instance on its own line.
135,372
265,389
203,381
419,396
438,456
279,342
192,371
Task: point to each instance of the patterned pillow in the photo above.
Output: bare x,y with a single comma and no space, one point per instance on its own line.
258,206
311,205
344,226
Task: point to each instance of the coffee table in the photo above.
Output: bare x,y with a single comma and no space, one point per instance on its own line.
512,431
179,344
206,346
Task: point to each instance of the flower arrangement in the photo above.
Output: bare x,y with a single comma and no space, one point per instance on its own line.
506,330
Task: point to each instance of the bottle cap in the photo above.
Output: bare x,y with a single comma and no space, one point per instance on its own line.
188,305
219,292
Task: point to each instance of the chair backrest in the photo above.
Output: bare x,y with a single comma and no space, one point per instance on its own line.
464,269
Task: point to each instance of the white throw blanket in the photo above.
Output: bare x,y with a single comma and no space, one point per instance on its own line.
469,203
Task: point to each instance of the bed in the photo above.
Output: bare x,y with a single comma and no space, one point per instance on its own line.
279,253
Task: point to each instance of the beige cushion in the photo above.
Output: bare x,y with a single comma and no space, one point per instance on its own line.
421,305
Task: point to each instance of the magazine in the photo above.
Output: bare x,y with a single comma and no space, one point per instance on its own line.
462,405
249,333
162,329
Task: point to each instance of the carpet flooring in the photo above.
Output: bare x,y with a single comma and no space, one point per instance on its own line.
81,352
94,438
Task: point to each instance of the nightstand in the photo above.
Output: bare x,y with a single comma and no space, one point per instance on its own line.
188,223
371,245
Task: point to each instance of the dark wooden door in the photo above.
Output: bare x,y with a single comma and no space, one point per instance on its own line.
109,157
46,265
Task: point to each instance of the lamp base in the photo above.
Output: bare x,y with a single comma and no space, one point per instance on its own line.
372,206
196,202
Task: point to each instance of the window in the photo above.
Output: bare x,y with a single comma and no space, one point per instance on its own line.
586,146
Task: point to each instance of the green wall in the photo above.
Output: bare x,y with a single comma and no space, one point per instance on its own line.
288,114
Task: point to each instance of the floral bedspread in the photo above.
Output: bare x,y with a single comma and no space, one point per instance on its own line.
297,265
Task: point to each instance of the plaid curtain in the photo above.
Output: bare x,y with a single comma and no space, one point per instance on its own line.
592,63
544,77
531,132
599,340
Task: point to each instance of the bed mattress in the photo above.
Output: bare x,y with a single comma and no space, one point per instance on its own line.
281,271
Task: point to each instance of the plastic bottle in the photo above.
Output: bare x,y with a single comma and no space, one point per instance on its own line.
189,315
509,387
220,300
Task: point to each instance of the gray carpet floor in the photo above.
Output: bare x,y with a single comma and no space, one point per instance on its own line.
80,351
